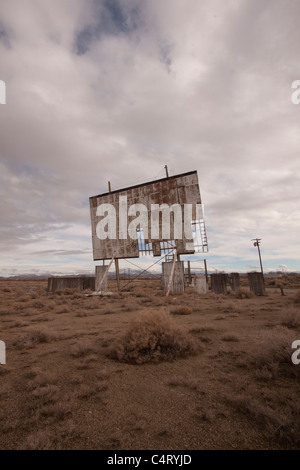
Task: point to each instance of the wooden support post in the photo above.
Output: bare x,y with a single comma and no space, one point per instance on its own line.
172,274
104,275
117,273
189,272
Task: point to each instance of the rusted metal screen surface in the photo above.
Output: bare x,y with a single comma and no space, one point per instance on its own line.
180,190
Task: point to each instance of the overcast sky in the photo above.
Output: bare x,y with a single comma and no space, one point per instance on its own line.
113,90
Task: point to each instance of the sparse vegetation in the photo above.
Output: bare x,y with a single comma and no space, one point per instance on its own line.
243,293
290,317
82,348
230,337
31,338
279,424
273,352
182,310
93,372
153,337
297,298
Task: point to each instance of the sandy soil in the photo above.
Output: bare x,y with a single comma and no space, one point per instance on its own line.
61,389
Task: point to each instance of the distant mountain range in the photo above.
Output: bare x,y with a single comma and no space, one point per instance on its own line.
112,275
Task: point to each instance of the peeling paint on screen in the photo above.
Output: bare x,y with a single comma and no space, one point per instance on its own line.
133,232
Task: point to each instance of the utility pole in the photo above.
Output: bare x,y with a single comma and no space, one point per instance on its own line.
257,243
167,173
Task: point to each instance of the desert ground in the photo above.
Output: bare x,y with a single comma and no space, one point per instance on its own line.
139,370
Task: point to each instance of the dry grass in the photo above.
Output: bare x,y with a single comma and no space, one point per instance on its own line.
82,348
290,317
182,310
220,317
188,382
243,293
297,298
153,337
230,337
203,327
31,338
279,424
61,388
272,353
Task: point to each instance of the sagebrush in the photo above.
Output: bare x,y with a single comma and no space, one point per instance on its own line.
153,337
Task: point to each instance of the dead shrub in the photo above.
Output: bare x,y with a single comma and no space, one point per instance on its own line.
22,299
93,304
32,338
243,293
63,309
85,364
82,348
203,327
36,304
290,318
51,306
146,300
46,394
4,312
86,391
6,289
153,337
230,337
77,295
297,298
181,311
273,352
29,312
57,411
38,378
283,424
20,324
130,307
139,292
108,311
69,291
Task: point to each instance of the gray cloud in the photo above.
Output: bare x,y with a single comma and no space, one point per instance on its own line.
108,17
103,91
